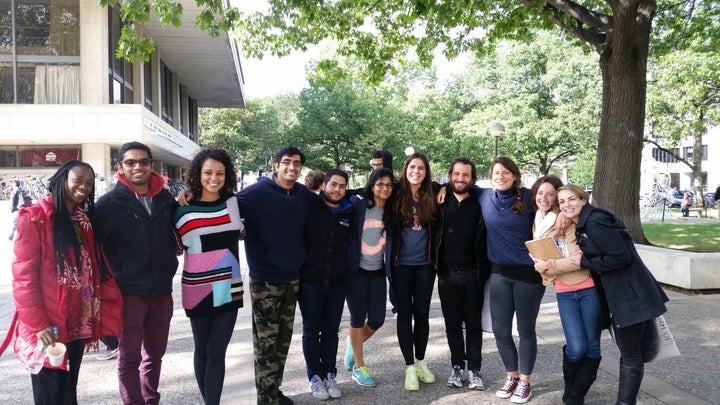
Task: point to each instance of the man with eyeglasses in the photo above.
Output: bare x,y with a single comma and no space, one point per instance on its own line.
275,211
134,224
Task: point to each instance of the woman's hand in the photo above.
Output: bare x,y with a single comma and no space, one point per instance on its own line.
441,195
184,196
46,336
541,266
561,222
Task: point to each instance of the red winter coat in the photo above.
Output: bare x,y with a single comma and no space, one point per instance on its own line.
36,291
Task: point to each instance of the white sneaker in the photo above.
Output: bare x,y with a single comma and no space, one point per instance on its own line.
108,354
475,380
456,377
332,387
318,389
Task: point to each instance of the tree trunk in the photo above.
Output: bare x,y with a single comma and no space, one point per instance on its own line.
623,64
699,201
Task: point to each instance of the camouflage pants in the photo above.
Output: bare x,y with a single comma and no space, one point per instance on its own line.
273,315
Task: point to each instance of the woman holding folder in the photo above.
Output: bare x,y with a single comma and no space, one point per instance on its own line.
577,298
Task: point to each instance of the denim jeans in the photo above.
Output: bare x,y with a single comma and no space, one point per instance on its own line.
580,317
321,314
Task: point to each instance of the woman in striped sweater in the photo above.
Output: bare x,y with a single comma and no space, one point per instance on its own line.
212,290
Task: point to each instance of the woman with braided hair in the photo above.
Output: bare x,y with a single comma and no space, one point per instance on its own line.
62,287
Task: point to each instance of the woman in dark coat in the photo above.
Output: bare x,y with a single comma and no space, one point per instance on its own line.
631,292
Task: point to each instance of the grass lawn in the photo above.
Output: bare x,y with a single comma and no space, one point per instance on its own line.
692,237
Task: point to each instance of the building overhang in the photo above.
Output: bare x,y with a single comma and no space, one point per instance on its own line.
209,67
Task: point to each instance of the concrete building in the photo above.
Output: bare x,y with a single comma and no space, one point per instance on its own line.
64,95
659,167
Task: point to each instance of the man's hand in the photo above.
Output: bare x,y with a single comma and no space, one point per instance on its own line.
184,196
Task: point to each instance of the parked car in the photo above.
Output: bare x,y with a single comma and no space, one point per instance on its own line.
710,200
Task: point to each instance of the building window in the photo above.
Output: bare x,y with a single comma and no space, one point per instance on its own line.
192,119
147,84
8,156
166,94
662,156
45,68
121,71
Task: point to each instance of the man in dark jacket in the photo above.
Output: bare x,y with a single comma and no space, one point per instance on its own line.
322,282
135,226
275,211
463,268
15,201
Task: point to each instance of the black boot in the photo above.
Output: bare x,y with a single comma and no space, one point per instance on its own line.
630,380
570,369
585,377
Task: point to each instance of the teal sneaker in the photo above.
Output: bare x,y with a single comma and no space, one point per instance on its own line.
362,377
349,356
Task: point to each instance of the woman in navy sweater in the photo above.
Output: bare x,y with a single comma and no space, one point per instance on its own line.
515,287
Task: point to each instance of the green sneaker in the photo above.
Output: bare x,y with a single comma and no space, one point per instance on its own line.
411,379
424,373
349,356
362,377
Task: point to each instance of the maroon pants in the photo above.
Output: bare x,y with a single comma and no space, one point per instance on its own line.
144,337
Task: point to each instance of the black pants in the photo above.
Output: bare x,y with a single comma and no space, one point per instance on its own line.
413,286
461,298
212,336
53,386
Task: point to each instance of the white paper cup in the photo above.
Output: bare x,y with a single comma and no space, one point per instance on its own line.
56,354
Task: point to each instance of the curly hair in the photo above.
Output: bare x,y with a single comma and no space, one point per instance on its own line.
194,172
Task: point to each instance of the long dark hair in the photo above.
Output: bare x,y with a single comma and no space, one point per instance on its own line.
509,164
554,181
196,167
63,230
426,198
369,191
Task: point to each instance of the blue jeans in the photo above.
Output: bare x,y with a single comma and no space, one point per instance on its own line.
321,314
580,317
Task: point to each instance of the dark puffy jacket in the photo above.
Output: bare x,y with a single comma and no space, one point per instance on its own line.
632,292
142,249
484,264
326,237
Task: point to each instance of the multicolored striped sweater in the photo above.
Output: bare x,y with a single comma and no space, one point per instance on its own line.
211,279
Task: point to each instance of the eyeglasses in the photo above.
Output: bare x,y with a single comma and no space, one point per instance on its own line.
384,185
291,163
132,162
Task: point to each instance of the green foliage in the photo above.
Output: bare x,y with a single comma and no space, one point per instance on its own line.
582,171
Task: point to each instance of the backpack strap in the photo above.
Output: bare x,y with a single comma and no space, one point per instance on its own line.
10,333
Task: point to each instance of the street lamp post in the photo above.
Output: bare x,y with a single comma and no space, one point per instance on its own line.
497,130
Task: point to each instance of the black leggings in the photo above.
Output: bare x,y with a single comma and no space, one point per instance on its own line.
212,335
629,342
413,287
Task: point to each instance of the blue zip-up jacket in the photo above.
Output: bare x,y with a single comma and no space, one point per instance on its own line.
274,223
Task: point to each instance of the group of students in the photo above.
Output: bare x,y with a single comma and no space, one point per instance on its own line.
95,277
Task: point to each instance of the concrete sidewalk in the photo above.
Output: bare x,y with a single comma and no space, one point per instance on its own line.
689,379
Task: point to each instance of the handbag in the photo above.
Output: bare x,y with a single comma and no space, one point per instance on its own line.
658,343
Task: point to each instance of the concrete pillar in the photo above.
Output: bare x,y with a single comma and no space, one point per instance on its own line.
98,156
94,81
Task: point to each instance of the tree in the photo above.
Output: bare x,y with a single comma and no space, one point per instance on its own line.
541,92
683,102
385,33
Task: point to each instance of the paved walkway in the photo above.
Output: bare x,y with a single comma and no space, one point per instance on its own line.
688,380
